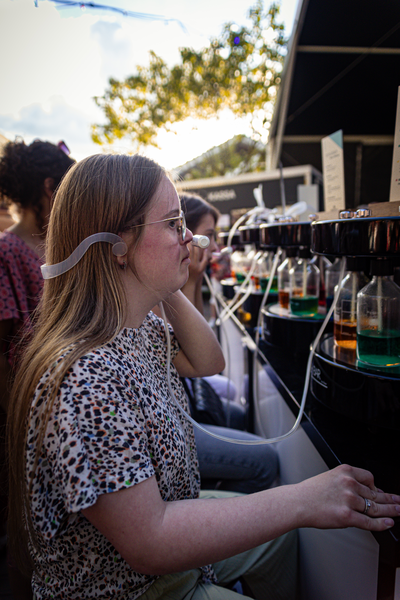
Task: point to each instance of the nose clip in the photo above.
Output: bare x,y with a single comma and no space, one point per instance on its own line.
201,241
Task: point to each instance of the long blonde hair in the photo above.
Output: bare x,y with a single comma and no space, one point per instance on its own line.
82,309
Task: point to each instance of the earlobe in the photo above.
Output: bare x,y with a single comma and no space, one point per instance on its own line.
120,251
122,263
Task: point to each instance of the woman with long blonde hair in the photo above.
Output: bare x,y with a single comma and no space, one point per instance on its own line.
104,474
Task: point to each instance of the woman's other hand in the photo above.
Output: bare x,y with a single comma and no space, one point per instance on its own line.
199,260
346,497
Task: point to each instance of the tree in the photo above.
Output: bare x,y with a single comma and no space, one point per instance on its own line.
239,71
238,155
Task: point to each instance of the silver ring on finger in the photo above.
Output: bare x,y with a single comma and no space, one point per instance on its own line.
367,506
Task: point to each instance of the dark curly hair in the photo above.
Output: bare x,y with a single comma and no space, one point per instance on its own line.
23,170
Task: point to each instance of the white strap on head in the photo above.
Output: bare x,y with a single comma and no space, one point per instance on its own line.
119,249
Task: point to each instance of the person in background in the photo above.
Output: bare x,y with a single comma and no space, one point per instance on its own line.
225,465
201,218
29,175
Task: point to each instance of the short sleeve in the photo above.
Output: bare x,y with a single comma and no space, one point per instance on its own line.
95,443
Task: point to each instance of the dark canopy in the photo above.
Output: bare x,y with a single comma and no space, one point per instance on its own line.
342,71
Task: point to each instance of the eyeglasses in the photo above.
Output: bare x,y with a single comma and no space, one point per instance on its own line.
180,229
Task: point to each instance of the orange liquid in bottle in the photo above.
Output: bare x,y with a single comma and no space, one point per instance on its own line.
345,334
283,298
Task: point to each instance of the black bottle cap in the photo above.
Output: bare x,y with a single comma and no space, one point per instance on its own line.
291,251
304,252
381,266
357,263
223,238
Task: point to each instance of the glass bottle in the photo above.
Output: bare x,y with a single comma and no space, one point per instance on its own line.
263,269
332,275
323,264
378,317
345,314
261,272
304,286
239,264
283,276
274,285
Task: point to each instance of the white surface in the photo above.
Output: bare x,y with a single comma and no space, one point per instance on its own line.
397,585
334,564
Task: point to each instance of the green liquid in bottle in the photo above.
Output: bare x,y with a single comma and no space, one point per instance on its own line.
304,306
381,349
264,283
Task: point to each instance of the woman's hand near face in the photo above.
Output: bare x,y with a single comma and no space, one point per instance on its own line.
200,353
192,289
199,259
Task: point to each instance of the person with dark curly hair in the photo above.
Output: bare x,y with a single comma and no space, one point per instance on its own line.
29,176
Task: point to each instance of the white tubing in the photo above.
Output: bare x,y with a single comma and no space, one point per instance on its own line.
239,299
260,441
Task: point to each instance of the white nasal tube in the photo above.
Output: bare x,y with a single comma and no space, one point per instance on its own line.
119,249
201,241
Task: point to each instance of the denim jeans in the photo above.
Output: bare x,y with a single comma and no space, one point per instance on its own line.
235,467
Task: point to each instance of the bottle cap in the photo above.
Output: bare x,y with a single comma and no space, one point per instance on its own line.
357,263
381,266
223,237
291,251
304,252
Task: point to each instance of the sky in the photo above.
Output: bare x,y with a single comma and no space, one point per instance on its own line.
55,60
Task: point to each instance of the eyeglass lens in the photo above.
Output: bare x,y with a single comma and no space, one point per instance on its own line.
183,227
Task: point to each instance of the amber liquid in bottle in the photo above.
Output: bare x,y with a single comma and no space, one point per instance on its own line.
283,298
345,334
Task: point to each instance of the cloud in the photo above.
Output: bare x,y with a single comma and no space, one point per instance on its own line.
58,121
114,47
122,45
46,55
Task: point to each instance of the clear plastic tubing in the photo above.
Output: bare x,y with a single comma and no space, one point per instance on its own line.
296,424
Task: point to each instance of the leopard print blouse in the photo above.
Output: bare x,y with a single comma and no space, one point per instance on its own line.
114,424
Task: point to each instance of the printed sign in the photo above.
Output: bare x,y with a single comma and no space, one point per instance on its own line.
333,171
395,181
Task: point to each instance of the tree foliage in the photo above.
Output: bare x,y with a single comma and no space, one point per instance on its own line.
239,71
238,155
